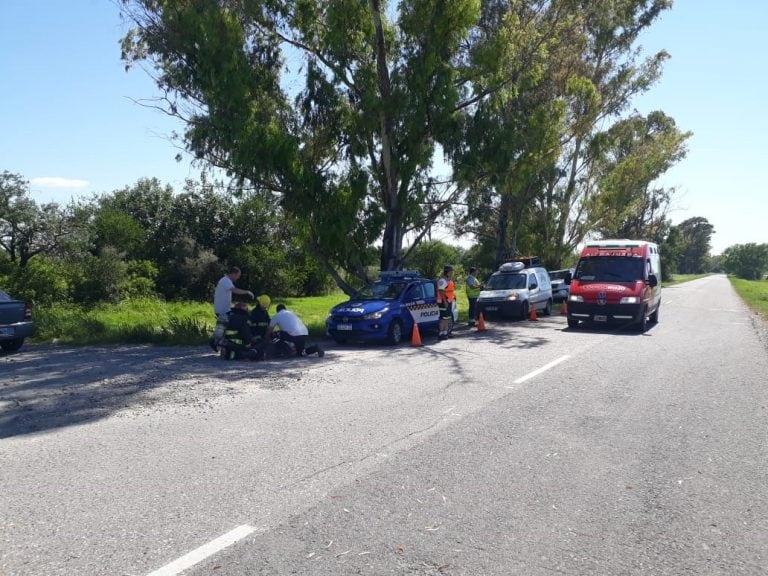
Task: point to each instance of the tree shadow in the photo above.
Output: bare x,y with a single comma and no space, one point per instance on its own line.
45,387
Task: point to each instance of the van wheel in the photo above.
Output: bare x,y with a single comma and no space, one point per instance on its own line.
573,323
548,308
642,324
654,318
524,311
395,333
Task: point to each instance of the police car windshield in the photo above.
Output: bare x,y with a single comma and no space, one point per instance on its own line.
382,291
506,282
610,269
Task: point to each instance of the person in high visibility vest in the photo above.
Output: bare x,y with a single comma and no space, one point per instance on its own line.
446,298
474,286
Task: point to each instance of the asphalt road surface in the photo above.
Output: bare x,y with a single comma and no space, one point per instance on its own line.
527,449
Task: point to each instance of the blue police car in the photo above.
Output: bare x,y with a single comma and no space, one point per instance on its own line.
386,309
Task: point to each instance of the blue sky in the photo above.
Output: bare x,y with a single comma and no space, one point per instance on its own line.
71,126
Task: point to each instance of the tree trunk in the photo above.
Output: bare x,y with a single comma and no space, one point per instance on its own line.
392,242
502,226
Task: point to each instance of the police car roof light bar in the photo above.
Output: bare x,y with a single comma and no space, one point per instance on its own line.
399,274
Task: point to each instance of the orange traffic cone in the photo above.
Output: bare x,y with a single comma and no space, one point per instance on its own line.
481,323
564,308
533,316
415,335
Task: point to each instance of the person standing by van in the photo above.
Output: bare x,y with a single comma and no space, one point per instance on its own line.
474,286
446,297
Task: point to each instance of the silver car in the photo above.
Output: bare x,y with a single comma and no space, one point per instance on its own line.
559,287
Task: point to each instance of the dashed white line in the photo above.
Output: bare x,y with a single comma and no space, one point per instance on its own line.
206,550
542,369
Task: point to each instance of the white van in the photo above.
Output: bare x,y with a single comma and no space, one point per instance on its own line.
514,290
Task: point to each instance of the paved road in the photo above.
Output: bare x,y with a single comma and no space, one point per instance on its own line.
527,449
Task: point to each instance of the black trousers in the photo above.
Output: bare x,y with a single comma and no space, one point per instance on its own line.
300,342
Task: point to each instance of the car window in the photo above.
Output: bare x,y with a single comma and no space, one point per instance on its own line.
610,269
381,291
415,292
532,283
4,296
429,290
506,282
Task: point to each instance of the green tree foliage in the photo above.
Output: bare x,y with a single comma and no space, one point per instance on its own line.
40,282
511,137
695,235
430,256
598,82
351,151
630,157
26,228
748,261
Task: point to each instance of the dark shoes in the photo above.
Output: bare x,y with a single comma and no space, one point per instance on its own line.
320,352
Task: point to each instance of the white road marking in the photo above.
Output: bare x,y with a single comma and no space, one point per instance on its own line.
206,550
542,369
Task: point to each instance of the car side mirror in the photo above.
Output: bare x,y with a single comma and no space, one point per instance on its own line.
653,281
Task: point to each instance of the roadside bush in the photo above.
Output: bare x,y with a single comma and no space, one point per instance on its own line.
40,282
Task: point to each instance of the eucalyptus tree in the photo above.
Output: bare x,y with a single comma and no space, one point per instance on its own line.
695,241
629,158
335,105
511,138
599,82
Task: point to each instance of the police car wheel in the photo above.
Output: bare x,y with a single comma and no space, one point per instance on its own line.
395,332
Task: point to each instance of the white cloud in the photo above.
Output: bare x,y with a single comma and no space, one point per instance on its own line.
56,182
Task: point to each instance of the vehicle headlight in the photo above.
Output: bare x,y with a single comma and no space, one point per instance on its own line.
512,297
629,300
576,298
375,315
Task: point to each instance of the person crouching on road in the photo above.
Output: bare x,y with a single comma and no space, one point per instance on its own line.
446,296
293,330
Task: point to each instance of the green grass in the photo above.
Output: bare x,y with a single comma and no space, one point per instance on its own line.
753,292
156,322
680,278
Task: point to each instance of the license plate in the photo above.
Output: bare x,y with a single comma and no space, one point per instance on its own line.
492,308
7,331
601,318
343,326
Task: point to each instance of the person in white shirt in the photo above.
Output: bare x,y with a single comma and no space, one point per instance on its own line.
292,329
222,296
222,303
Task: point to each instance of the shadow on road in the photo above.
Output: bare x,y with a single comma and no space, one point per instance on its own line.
44,387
